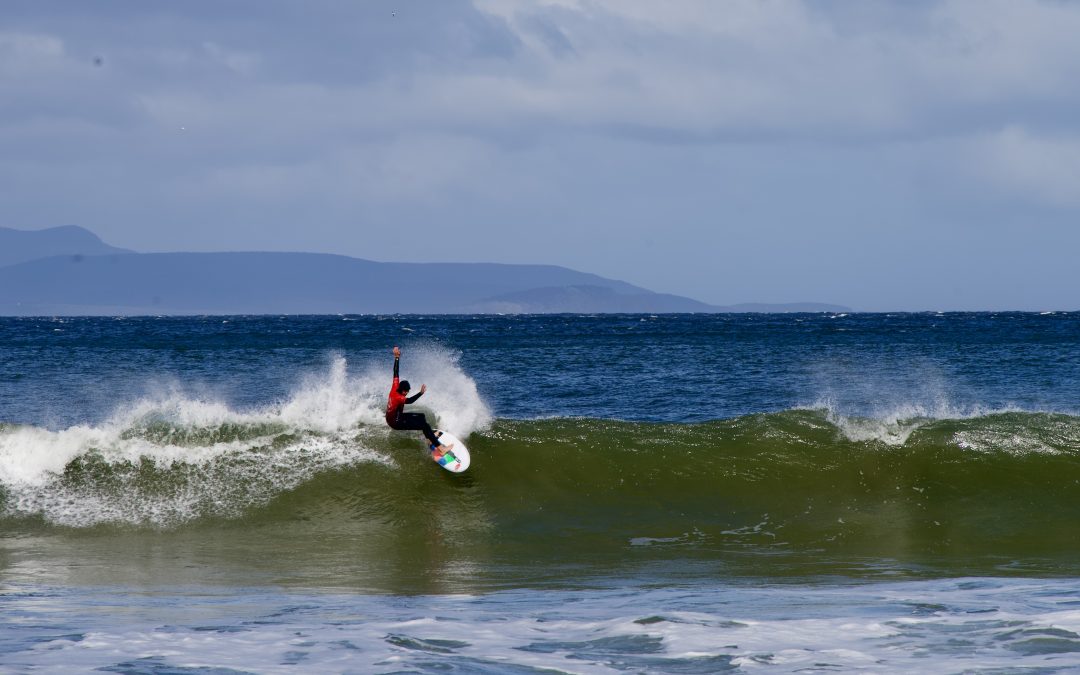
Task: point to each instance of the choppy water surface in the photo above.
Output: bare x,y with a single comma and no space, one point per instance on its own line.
657,493
942,626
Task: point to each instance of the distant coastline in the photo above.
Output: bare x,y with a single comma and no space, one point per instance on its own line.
69,271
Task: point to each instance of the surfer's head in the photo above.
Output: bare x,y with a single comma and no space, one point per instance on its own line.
403,387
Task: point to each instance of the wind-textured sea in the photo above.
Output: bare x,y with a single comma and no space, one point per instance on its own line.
869,493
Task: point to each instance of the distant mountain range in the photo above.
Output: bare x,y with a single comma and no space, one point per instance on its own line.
70,271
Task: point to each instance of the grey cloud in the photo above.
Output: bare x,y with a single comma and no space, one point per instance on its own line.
771,67
699,71
725,150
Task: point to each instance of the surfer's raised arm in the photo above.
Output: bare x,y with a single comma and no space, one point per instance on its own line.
397,365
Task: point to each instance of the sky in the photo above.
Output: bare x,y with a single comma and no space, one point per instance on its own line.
908,155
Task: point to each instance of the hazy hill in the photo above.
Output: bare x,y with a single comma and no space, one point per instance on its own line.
291,283
18,246
78,282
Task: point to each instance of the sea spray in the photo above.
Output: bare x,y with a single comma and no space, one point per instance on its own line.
895,423
451,394
172,459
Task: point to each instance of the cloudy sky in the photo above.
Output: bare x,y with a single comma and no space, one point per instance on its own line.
917,154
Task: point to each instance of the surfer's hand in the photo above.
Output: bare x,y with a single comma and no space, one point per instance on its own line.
397,352
423,388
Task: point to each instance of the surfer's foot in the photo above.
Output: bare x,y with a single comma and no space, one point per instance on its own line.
438,451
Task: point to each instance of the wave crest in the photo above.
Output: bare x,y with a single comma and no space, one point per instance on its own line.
173,458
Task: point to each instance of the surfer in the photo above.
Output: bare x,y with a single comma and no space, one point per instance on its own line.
398,419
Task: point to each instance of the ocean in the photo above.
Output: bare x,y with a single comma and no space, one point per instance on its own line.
866,493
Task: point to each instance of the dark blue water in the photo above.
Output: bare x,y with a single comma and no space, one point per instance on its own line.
676,368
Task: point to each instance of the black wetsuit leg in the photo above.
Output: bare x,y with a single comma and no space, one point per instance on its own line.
417,422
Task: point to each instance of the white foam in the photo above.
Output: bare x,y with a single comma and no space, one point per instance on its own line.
894,424
329,421
215,479
333,401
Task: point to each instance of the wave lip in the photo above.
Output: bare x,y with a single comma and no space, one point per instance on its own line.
894,424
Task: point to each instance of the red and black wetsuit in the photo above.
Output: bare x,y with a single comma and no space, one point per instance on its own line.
398,419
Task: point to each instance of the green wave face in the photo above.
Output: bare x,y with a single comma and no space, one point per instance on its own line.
999,488
796,492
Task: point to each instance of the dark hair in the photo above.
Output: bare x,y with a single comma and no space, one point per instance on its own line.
403,386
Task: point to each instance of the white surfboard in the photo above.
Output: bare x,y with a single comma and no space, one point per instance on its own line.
455,460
